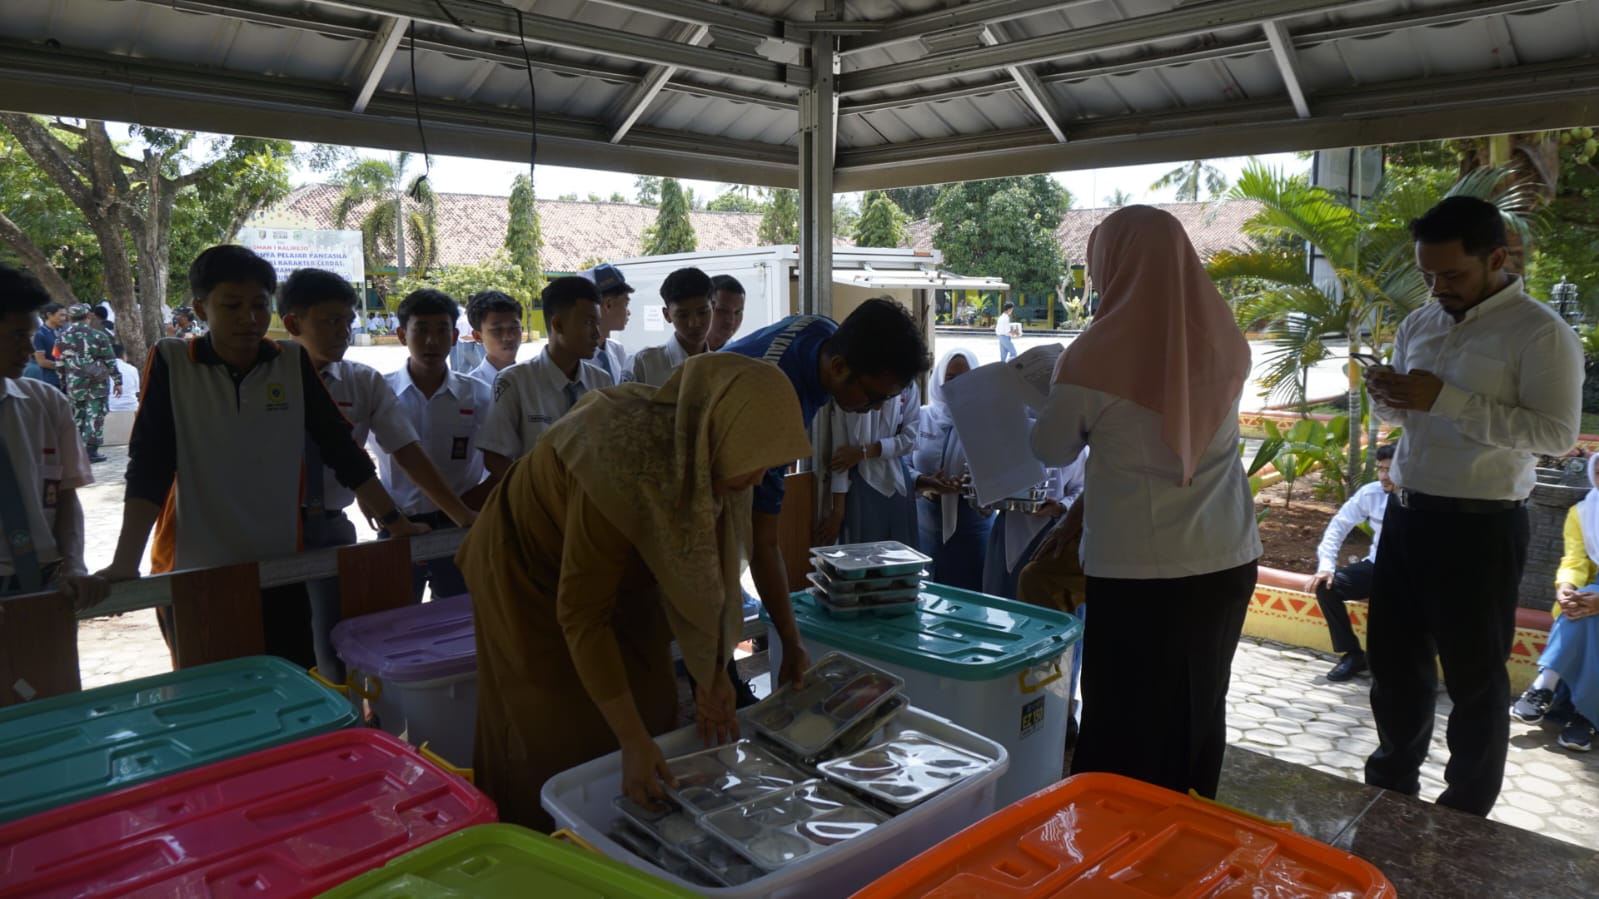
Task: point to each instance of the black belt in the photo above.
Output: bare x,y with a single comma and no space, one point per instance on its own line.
1412,501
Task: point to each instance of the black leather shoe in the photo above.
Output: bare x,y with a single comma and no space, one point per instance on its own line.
96,457
1351,664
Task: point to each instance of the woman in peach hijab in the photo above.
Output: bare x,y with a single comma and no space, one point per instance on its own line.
1169,542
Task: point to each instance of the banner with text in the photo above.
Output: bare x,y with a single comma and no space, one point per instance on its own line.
292,248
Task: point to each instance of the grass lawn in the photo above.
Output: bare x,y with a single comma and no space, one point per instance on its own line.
1590,423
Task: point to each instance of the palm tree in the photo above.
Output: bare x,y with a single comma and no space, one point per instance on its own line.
390,226
1371,279
1118,199
1190,177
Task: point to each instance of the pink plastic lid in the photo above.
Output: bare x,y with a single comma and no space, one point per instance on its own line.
285,822
413,643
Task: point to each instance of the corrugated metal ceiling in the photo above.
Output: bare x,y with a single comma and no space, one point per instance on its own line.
927,91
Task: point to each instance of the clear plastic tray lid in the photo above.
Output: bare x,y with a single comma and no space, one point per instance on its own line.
886,558
716,778
905,770
839,691
861,732
783,828
877,605
839,587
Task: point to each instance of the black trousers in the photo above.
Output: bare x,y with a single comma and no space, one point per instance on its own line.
1155,677
1349,582
1445,586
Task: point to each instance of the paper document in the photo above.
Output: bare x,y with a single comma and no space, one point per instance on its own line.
991,406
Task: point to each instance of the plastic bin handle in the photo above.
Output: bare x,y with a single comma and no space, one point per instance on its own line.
565,835
1054,674
1285,825
463,773
365,685
341,689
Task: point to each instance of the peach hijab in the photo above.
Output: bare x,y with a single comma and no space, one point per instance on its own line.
1163,337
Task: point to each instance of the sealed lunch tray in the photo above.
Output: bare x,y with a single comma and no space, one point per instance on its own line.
839,691
845,587
1103,835
857,607
71,747
786,827
905,770
727,775
706,861
861,732
290,821
502,861
884,559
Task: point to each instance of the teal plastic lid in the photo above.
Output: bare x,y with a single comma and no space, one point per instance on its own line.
953,633
71,747
502,860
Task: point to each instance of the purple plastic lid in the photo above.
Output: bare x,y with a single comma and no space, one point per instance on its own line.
414,643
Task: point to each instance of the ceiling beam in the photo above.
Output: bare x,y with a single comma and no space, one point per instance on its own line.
645,92
1199,18
1032,90
375,62
981,12
1283,53
711,15
500,21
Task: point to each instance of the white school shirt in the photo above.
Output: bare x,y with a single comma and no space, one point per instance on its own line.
528,398
654,365
617,355
447,424
893,426
46,456
1138,523
1512,372
1002,325
364,397
1365,506
486,372
129,400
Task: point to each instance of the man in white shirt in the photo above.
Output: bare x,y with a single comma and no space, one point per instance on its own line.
615,295
1335,586
446,409
727,310
496,321
1482,381
42,462
1006,329
686,296
531,395
128,399
317,308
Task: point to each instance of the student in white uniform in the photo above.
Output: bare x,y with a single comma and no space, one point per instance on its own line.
615,294
531,395
228,469
686,300
317,308
128,399
496,321
42,462
446,409
727,310
873,486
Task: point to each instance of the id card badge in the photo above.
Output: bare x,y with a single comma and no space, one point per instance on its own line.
458,448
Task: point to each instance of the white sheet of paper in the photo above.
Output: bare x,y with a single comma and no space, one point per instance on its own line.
990,407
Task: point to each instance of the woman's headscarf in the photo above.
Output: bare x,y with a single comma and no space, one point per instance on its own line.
936,419
1588,513
648,456
1163,337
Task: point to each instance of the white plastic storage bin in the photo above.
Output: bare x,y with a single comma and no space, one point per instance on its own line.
417,666
580,801
994,666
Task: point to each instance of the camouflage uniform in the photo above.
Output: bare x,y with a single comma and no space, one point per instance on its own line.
80,346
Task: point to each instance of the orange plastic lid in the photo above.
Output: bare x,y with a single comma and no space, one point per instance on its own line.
1104,835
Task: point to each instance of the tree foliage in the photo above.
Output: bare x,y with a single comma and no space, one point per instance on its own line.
917,202
882,224
376,196
647,190
672,231
1118,199
734,201
1004,227
1191,179
524,240
461,281
779,218
42,231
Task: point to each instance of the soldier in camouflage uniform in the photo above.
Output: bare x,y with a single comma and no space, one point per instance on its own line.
88,373
183,325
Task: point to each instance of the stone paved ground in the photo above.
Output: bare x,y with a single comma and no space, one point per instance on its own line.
1282,704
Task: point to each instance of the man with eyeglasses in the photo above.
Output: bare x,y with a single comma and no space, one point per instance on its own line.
869,359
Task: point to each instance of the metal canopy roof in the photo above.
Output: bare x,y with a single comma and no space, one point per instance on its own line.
926,91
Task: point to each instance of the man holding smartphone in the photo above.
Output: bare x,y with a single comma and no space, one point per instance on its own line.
1483,380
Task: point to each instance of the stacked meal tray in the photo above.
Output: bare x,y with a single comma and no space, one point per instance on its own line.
817,771
1028,502
853,579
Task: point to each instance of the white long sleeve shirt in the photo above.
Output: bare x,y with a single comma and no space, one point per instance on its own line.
654,365
1512,373
1138,524
1365,507
893,427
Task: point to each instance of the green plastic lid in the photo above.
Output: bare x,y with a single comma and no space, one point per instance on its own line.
71,747
493,860
954,633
